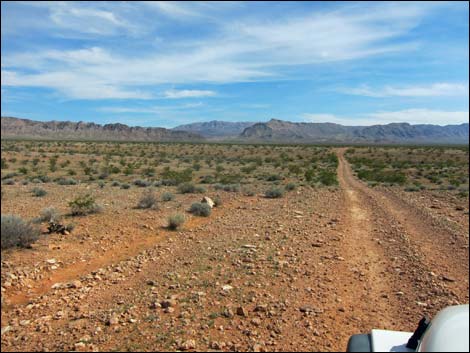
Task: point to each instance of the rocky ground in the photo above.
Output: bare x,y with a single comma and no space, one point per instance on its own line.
299,273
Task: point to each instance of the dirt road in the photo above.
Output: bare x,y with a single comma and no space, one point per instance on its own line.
299,273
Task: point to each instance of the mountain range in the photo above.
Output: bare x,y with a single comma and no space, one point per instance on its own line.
25,128
272,131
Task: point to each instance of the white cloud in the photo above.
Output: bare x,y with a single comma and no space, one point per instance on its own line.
237,51
432,90
151,109
412,116
176,94
422,116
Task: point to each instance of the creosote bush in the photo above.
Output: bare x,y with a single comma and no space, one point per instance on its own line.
148,200
200,209
39,192
17,232
83,205
176,221
167,196
274,193
291,186
189,188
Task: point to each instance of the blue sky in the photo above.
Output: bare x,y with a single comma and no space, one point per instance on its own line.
170,63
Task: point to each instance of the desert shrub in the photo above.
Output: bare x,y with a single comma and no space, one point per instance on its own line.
83,205
48,214
273,177
207,179
175,221
187,188
274,193
142,183
217,201
200,209
9,175
382,176
327,178
17,232
309,175
227,187
125,186
101,184
25,182
39,192
148,200
167,196
9,182
64,181
248,192
412,188
115,183
4,164
291,186
230,178
172,177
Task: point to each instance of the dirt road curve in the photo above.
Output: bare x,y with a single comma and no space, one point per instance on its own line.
300,273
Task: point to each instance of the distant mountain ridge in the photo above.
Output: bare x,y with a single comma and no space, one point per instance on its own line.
25,128
215,128
273,131
284,131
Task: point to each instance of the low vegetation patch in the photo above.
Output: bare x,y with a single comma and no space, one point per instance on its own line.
16,232
274,193
83,205
200,209
167,196
39,192
175,221
148,200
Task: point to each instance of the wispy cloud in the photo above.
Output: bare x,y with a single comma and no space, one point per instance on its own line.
177,94
242,50
151,109
432,90
412,116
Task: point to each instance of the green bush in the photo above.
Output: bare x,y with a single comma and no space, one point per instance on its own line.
291,186
200,209
175,221
38,192
217,201
142,183
167,196
64,181
327,178
17,232
125,186
83,205
274,193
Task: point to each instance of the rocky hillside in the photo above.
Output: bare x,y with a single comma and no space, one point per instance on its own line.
284,131
25,128
215,128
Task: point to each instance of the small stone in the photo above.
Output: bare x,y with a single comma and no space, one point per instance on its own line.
241,311
227,288
113,320
187,345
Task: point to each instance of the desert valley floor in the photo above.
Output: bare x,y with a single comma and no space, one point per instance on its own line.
302,272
